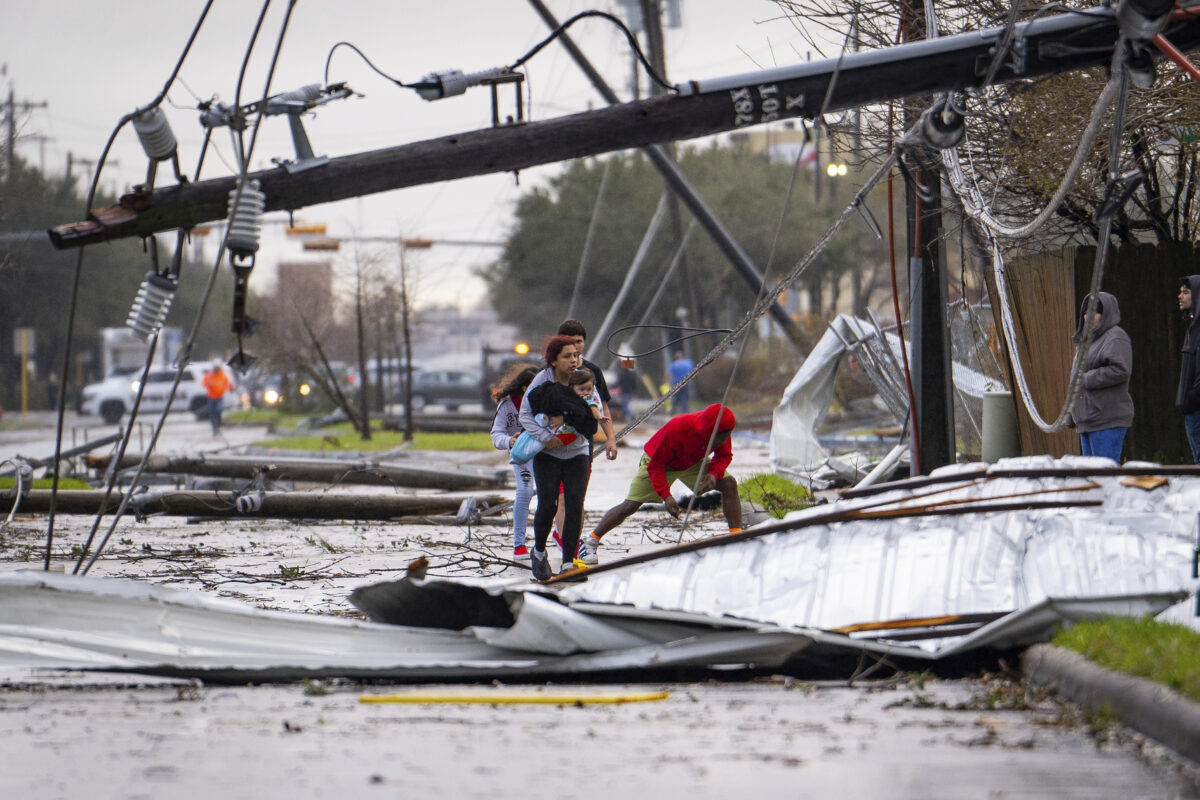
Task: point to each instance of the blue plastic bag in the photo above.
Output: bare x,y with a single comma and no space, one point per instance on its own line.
526,448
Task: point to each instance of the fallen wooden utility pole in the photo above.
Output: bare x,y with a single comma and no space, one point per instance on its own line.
317,470
270,505
1049,45
86,447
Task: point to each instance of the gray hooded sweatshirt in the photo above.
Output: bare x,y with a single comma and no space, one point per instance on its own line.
1104,401
1187,399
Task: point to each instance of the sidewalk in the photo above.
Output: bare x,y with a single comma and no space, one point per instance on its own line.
1145,706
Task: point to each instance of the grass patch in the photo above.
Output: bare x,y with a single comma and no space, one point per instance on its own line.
344,437
14,423
775,494
45,483
265,416
1164,652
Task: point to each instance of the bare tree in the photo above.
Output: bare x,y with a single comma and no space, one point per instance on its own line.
1021,135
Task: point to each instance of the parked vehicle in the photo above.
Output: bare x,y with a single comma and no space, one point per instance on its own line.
113,398
447,387
285,391
386,380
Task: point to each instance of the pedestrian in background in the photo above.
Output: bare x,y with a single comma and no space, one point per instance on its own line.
679,369
1103,411
1187,397
216,384
626,386
506,428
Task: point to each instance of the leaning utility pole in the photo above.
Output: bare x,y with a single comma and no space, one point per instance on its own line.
676,182
1050,45
656,47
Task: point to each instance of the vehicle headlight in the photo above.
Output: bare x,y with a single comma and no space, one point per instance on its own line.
305,389
271,397
135,385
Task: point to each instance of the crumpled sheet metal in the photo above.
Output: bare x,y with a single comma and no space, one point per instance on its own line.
795,449
834,575
68,622
760,601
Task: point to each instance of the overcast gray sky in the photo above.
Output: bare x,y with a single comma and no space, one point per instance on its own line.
92,62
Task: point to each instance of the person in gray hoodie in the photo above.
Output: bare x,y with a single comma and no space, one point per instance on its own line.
1103,411
1187,398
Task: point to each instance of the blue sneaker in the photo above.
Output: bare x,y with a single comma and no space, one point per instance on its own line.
540,562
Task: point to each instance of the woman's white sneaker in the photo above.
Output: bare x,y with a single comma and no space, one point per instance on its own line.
588,545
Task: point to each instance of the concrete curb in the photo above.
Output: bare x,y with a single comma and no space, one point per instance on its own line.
1143,705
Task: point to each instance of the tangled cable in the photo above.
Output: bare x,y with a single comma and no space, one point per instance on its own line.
633,44
969,195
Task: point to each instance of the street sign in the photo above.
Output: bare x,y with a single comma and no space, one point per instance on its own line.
23,341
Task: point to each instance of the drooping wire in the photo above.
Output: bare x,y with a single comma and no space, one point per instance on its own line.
111,475
914,429
185,355
712,436
769,298
73,305
237,94
633,44
1002,46
1120,77
363,56
692,334
855,204
629,36
977,208
662,284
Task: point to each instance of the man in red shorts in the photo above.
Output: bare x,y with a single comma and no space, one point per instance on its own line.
678,451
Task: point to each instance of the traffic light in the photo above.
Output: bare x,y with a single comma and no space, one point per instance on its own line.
418,244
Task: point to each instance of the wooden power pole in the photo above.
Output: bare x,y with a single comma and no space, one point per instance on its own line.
1051,45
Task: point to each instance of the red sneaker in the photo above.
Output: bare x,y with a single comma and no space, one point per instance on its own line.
521,553
557,539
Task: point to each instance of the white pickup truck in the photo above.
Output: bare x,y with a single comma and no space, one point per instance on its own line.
113,397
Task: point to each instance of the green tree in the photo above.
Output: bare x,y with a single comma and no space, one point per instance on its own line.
36,283
535,276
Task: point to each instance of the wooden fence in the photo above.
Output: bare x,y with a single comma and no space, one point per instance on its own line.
1047,291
